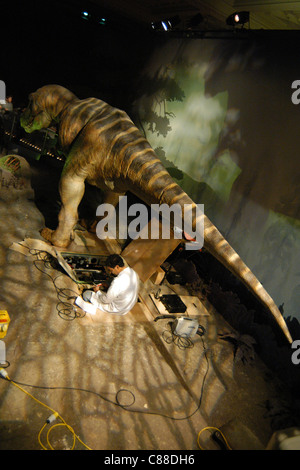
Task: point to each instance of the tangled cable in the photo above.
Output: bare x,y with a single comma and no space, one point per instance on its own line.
66,310
182,342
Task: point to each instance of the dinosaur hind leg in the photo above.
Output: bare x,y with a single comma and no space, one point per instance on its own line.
109,197
71,190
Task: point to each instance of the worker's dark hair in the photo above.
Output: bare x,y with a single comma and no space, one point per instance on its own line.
114,260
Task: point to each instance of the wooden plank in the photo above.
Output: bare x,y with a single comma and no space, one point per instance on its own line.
195,308
158,276
138,314
145,256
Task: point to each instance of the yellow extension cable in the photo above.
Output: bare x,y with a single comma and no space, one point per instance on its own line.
63,423
215,429
55,415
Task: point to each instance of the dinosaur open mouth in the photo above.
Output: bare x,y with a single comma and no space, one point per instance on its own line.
33,122
29,123
26,122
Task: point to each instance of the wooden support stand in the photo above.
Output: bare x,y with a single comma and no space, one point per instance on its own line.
145,256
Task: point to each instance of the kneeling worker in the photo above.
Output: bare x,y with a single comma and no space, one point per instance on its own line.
122,293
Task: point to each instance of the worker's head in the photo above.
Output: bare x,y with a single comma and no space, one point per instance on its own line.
114,264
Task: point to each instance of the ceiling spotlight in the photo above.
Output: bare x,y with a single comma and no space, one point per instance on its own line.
101,20
85,15
166,25
241,17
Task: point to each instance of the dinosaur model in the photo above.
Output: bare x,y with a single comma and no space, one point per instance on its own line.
103,147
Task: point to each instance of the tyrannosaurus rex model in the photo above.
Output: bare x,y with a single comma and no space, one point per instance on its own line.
103,147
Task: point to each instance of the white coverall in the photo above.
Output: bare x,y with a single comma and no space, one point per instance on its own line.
122,294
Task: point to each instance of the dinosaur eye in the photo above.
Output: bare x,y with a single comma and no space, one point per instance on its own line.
32,104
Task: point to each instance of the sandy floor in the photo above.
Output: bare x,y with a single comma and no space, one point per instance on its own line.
118,384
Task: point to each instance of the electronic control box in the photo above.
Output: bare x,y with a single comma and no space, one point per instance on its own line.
83,268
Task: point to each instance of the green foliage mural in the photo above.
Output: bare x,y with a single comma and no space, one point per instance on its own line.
220,117
183,124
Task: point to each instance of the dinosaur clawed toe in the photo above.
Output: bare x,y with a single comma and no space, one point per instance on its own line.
47,234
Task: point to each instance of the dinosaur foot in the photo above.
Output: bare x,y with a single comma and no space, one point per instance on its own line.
47,234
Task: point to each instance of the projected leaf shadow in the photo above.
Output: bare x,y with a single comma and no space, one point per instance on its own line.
188,143
162,88
45,350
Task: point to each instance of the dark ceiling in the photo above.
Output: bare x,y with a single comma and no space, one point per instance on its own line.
264,14
49,41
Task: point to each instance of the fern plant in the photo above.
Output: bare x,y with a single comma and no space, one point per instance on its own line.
243,346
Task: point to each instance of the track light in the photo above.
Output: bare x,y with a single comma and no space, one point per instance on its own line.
236,18
166,24
85,15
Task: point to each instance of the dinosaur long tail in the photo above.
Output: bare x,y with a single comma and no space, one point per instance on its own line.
159,186
216,244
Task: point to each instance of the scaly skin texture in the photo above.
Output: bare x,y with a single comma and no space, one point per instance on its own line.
104,148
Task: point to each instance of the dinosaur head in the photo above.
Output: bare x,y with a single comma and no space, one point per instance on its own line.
35,117
44,106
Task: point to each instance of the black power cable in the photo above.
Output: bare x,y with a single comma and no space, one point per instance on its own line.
127,407
66,310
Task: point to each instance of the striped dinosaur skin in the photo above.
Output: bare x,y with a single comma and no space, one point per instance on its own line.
104,148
